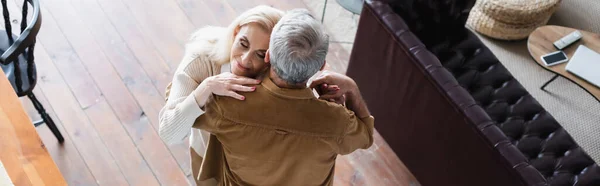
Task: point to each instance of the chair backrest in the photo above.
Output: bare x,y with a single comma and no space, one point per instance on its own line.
24,43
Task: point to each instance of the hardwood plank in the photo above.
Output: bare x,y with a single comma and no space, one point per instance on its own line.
120,56
75,123
117,140
66,156
130,71
138,42
117,95
151,106
85,92
337,58
377,165
166,25
401,172
15,18
293,3
127,156
222,11
177,27
197,12
82,89
241,6
374,171
342,174
286,4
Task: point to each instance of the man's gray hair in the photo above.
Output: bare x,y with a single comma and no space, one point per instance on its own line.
298,46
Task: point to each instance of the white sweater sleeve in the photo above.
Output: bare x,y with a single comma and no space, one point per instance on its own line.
181,110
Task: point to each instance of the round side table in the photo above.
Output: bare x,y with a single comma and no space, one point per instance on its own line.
354,6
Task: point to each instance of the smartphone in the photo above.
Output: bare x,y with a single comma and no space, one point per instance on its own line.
554,58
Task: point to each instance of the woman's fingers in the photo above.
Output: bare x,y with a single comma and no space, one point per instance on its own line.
235,95
244,81
332,88
317,81
241,88
321,89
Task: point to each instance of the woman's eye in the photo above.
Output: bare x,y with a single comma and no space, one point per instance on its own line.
262,56
243,45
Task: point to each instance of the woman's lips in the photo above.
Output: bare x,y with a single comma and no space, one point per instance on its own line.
240,66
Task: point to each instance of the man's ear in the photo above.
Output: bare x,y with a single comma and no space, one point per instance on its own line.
324,64
267,57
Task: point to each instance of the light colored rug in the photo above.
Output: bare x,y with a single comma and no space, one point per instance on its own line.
576,110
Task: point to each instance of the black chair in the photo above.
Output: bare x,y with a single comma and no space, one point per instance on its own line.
17,59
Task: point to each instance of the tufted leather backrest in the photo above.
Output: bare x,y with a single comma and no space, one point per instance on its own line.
526,124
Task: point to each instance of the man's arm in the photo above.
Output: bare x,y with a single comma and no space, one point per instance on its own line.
359,131
355,102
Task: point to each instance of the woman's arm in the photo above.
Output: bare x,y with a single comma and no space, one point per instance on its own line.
182,108
186,97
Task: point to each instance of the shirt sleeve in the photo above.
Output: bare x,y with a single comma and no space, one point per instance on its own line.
181,109
209,121
358,134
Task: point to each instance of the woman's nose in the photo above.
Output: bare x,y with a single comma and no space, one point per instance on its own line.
246,58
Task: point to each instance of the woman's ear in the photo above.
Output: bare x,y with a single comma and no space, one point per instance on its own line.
236,31
267,57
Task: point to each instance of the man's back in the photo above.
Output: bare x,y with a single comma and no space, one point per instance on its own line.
283,136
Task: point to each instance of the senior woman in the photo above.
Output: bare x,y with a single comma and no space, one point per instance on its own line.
213,51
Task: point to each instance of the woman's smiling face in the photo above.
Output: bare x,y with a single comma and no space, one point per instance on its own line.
248,50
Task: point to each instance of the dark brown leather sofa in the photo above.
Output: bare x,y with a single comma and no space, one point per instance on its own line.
449,109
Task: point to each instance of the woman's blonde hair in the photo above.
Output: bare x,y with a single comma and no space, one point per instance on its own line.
263,15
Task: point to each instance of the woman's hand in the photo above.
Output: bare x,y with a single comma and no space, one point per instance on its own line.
333,85
346,89
325,89
227,84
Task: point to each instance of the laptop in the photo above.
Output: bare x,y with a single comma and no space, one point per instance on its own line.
585,64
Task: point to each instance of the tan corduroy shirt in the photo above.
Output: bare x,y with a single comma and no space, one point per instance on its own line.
278,136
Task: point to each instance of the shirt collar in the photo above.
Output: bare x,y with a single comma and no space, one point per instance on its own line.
303,93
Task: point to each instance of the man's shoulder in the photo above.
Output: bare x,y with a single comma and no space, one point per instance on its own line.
333,108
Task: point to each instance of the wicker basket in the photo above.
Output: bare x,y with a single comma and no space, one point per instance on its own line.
519,11
510,19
